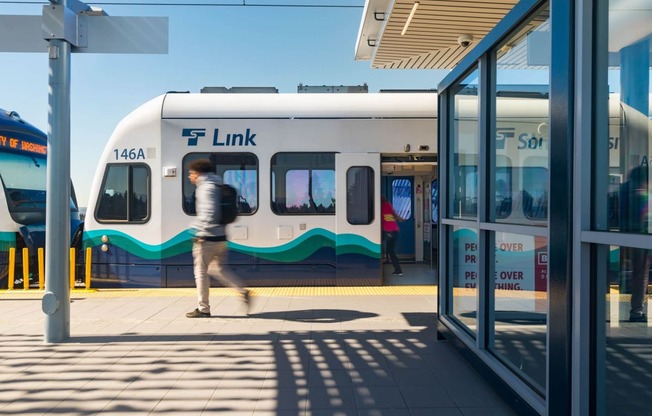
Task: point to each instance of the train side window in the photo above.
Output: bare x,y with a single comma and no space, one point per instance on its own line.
434,202
125,194
535,193
503,192
239,170
303,183
466,194
402,197
360,195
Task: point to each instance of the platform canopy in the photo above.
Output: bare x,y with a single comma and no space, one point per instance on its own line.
424,34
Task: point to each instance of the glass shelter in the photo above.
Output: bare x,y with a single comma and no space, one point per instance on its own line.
545,237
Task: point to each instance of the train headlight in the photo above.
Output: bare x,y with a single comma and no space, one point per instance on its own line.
105,239
105,248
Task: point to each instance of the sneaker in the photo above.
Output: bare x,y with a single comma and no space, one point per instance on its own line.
198,314
637,316
246,298
397,274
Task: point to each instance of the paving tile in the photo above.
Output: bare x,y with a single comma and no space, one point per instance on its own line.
331,412
503,410
384,412
438,411
330,397
372,377
426,396
415,377
294,356
379,397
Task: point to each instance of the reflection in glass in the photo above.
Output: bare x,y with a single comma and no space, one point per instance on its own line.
520,295
303,183
622,204
625,122
112,205
465,276
519,185
139,184
522,118
628,355
465,146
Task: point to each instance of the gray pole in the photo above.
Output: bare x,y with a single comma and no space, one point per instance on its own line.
56,301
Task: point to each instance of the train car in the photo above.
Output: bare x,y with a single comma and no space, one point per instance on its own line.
23,165
309,170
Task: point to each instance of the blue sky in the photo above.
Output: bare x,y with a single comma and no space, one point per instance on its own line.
208,46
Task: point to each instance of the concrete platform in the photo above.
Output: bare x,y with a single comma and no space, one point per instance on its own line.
300,351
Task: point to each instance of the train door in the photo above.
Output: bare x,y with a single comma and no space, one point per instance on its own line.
399,190
357,229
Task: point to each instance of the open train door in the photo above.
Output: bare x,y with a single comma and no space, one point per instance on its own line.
357,229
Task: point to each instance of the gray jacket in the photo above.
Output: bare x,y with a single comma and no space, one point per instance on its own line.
207,207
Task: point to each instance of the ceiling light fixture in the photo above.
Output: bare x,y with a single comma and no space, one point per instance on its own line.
409,19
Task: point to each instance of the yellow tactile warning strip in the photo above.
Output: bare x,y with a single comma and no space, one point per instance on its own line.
429,290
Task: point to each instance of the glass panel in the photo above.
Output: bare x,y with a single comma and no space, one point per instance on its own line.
24,179
622,204
402,197
360,195
628,355
139,185
434,203
625,143
303,183
113,200
520,183
520,294
464,164
239,170
465,276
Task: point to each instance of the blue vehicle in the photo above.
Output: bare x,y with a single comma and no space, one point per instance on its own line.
23,167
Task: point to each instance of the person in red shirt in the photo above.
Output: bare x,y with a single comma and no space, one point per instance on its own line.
390,231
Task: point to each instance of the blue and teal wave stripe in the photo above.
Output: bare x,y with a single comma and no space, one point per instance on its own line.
296,250
8,237
306,245
179,244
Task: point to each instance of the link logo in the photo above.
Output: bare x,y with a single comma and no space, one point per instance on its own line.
242,138
502,134
193,135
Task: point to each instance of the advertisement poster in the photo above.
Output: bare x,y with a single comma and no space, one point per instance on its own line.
521,261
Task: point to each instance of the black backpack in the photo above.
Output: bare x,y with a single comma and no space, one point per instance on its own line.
228,203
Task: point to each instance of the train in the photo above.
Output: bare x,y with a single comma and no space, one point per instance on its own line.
23,165
310,170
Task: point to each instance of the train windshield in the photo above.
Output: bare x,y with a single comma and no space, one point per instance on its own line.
24,181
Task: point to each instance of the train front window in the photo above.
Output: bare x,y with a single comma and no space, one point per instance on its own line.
24,179
125,194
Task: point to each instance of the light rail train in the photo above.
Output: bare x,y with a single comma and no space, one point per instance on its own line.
309,170
23,165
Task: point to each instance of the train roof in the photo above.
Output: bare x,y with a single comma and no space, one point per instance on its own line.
11,121
375,105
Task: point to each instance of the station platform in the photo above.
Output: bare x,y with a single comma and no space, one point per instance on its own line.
300,351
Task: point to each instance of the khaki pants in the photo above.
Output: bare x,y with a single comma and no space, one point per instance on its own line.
208,257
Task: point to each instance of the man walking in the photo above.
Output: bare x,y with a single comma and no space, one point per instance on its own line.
209,243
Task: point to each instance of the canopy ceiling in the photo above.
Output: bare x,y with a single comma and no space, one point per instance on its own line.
431,38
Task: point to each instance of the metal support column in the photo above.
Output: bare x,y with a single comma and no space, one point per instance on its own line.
56,302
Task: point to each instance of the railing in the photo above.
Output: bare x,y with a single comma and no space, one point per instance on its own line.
11,278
